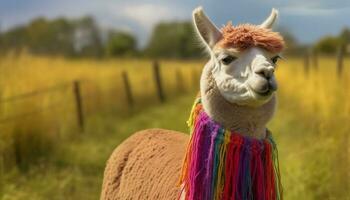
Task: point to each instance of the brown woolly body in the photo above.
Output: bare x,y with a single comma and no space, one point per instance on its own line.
145,166
245,36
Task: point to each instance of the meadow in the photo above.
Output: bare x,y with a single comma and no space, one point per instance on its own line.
44,155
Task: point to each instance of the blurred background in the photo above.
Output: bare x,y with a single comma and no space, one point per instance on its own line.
78,77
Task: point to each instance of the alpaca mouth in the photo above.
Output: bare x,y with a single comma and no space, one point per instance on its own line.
264,90
267,93
262,94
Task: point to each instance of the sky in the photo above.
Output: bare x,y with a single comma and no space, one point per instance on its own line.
307,20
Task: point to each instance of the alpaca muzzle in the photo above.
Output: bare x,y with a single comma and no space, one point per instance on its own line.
263,82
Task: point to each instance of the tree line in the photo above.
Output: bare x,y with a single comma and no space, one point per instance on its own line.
82,37
59,36
331,44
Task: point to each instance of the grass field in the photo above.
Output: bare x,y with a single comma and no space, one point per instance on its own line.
311,125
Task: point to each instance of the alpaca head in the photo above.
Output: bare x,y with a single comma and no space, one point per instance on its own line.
238,83
243,58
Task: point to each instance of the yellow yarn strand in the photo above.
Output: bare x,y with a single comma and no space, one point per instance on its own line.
193,115
221,167
190,122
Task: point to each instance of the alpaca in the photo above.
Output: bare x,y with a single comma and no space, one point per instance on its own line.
237,92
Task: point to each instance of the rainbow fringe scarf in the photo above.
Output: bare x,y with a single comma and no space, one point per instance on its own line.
224,165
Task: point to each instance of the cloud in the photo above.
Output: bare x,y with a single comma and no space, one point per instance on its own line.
147,15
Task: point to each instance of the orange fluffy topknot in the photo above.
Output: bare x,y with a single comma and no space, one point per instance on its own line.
245,36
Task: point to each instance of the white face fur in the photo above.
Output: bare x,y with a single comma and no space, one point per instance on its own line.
243,78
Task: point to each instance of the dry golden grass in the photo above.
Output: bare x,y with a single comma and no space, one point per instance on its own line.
52,115
311,124
313,129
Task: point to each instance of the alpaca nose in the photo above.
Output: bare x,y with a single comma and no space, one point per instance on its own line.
265,71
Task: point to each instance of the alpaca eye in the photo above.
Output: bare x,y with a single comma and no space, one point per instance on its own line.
228,59
275,59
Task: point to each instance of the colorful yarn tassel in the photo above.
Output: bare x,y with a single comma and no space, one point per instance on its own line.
223,165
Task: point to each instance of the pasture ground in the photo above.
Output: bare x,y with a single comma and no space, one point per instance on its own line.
311,127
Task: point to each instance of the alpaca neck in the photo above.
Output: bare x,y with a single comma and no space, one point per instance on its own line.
222,164
249,121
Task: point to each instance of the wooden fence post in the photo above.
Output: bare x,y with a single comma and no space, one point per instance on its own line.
347,159
2,173
17,150
306,63
127,88
315,59
179,81
78,104
158,81
340,60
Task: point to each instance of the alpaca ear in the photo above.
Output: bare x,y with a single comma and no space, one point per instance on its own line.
268,23
207,31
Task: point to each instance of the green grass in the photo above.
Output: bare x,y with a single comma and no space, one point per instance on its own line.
75,170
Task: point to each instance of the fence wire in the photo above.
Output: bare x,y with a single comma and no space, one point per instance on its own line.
35,93
33,112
